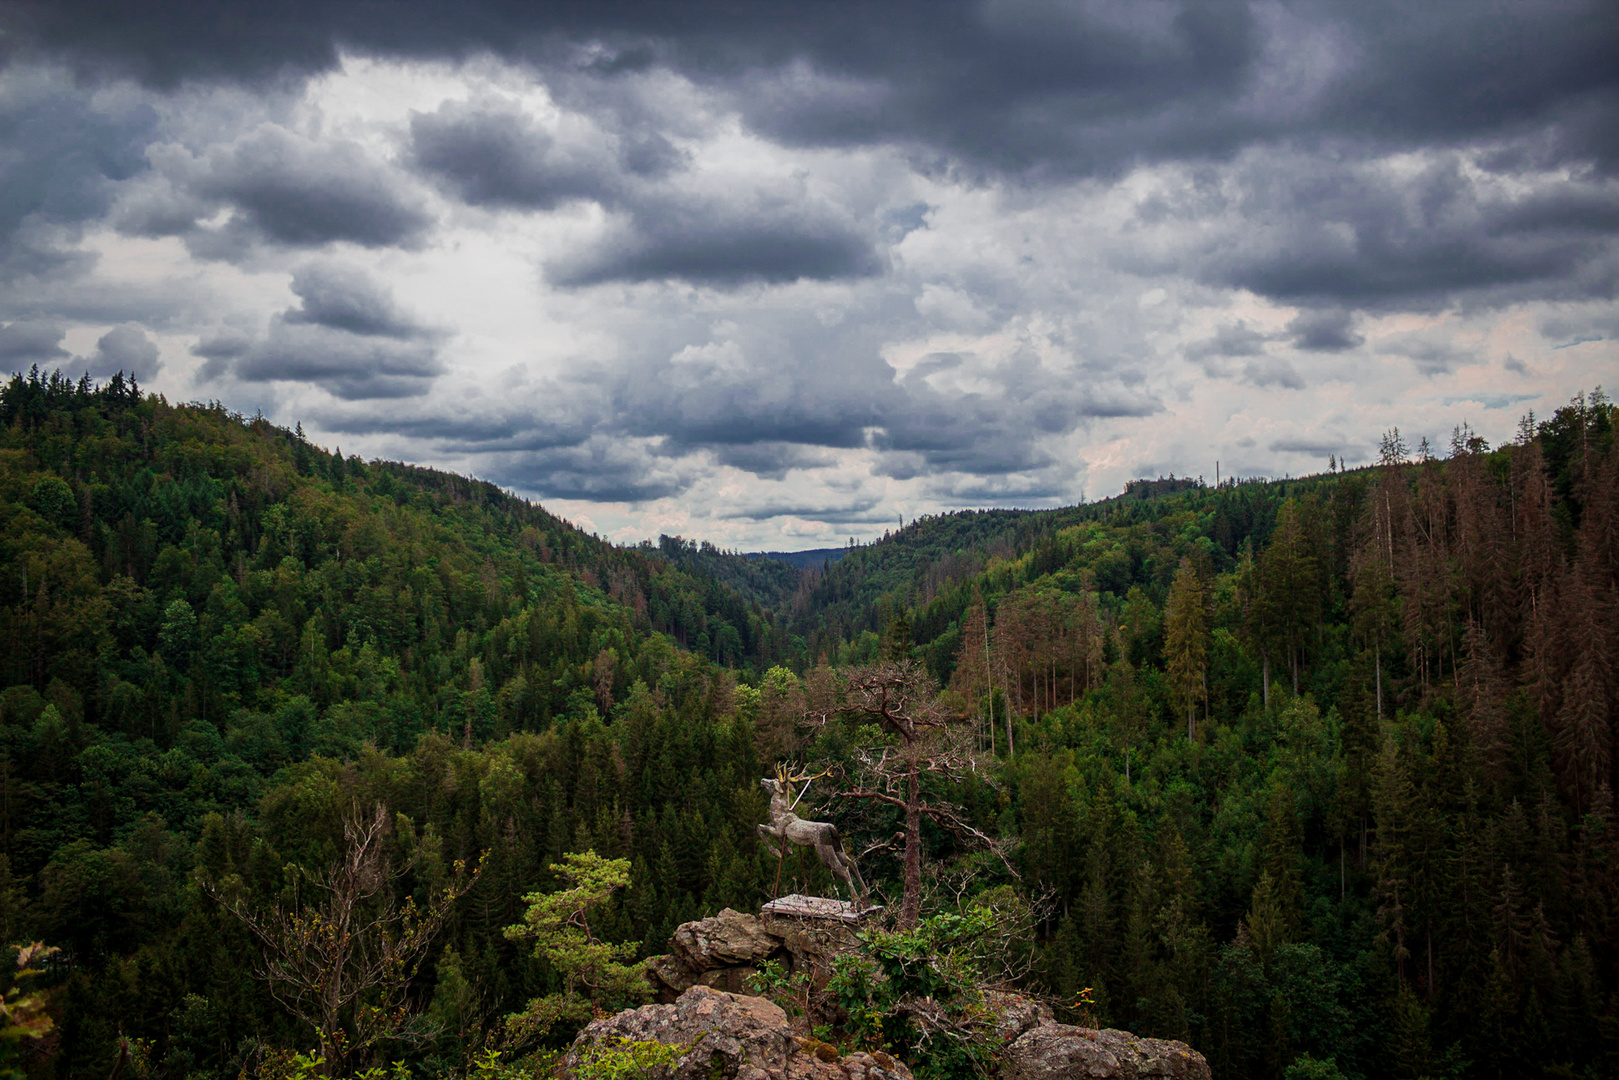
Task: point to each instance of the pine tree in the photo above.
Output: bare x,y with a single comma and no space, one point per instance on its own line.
1283,859
1290,585
1391,800
1186,634
1584,733
971,677
1482,690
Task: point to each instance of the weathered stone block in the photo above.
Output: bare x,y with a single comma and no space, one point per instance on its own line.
1064,1052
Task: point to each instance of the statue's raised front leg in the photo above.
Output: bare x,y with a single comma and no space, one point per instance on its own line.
842,864
832,861
862,897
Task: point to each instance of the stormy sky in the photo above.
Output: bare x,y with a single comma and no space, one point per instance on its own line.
777,274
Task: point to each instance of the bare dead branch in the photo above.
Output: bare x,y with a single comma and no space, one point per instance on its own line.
344,960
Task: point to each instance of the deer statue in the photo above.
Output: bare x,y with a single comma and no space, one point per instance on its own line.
787,827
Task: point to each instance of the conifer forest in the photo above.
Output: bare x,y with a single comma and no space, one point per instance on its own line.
1314,774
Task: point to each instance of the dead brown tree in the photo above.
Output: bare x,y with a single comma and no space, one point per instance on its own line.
900,696
342,959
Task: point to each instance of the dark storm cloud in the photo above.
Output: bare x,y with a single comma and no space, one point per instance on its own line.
601,469
1490,402
1365,235
224,346
1237,340
772,459
1307,446
1338,157
304,194
767,405
491,154
1442,71
123,348
559,457
462,433
792,405
1041,85
1325,330
219,350
1021,491
715,242
61,156
927,431
280,188
1430,357
31,341
1568,328
345,298
1037,89
855,511
349,366
347,335
1272,371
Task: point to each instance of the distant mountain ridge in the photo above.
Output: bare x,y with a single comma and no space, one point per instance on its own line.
813,559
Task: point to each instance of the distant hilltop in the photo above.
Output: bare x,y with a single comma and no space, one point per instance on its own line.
803,559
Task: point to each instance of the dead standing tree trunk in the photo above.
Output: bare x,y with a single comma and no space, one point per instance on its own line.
902,699
344,961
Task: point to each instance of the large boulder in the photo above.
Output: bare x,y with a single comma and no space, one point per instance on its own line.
720,952
1014,1014
728,1037
1053,1051
723,951
728,939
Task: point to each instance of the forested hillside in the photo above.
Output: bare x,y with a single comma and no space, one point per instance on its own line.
1308,767
1313,774
215,637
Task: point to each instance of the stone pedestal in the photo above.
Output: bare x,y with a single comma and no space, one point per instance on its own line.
798,906
815,930
805,933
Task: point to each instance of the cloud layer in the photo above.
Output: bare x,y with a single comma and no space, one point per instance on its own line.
783,279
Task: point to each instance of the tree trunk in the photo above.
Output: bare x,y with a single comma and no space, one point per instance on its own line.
989,677
1379,656
911,907
1265,669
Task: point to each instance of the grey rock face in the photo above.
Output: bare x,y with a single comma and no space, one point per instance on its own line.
1064,1052
1015,1014
728,939
730,1036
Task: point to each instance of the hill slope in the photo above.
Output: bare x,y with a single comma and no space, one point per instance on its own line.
1316,767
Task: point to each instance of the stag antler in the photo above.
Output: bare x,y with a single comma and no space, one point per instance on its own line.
786,775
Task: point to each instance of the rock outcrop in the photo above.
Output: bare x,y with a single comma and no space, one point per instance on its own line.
721,952
704,1006
730,1036
728,938
1053,1051
1015,1014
